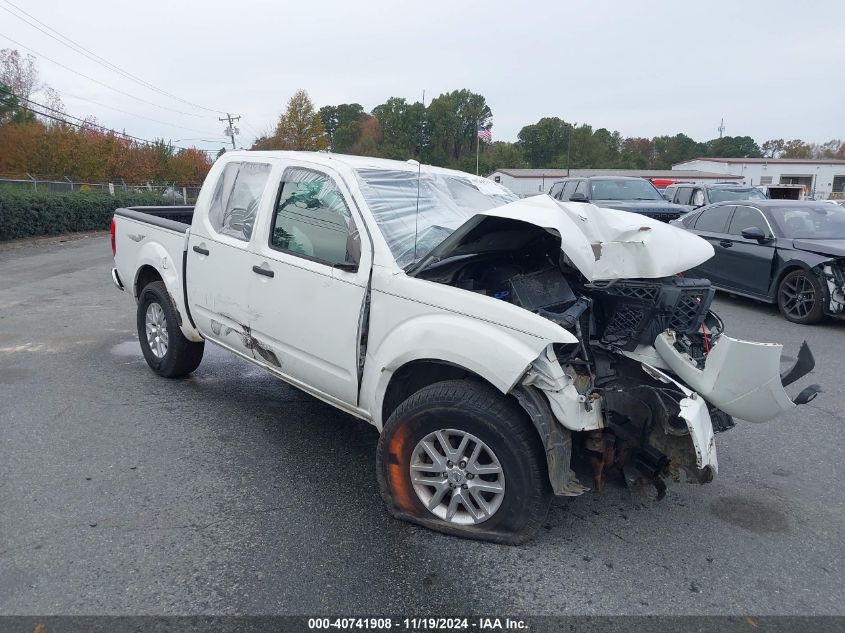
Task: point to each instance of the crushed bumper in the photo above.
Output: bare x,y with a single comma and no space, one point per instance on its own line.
741,378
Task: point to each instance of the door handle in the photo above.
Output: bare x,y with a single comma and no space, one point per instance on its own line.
263,271
725,243
201,251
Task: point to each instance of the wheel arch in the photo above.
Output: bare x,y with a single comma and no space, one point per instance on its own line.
145,275
445,345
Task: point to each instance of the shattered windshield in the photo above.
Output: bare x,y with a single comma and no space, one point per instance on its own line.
446,201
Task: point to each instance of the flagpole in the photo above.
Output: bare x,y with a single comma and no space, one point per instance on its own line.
477,146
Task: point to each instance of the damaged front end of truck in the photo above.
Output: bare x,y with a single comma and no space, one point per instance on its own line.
653,376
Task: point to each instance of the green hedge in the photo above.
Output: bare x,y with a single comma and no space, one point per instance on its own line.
29,213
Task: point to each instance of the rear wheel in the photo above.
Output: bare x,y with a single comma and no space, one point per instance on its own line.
800,298
461,458
165,348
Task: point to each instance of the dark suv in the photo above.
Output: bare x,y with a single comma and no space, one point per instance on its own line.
692,196
624,193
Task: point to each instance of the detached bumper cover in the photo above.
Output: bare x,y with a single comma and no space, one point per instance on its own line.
741,378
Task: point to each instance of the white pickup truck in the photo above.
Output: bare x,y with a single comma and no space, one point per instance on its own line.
488,339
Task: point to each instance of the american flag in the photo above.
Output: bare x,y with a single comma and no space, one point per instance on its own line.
485,134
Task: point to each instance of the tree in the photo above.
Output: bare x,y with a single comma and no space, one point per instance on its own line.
300,127
669,150
637,153
544,141
454,119
834,148
773,147
10,108
403,128
19,74
733,147
796,148
342,124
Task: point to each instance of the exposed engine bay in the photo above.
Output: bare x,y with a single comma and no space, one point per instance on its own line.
623,407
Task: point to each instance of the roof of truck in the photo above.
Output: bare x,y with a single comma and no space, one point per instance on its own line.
354,162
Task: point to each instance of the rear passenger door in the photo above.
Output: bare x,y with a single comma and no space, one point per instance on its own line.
218,258
308,282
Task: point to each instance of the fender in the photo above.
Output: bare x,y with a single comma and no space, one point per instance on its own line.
156,256
807,263
497,354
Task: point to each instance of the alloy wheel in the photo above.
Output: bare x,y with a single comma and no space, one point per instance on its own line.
457,477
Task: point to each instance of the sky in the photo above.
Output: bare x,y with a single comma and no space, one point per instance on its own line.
770,69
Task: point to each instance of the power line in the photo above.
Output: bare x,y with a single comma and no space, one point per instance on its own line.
84,124
76,72
75,46
140,116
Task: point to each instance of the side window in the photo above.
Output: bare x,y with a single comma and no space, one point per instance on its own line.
713,220
556,189
312,220
568,189
746,217
582,187
684,195
236,199
669,193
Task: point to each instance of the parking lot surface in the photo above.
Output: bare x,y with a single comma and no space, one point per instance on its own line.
229,492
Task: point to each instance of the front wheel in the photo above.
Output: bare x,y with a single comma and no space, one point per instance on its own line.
165,348
800,298
461,458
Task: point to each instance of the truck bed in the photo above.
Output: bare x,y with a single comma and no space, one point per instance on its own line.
174,218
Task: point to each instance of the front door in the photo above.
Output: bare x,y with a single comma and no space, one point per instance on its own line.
746,265
308,285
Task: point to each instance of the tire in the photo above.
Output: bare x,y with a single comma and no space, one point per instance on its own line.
170,354
509,443
801,298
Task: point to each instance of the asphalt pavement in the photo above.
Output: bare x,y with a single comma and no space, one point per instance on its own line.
229,492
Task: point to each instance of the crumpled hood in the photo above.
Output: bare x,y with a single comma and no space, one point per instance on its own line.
604,243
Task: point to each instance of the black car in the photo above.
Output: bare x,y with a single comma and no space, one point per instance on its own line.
692,196
624,193
784,251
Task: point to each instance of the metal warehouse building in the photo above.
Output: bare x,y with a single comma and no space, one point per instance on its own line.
530,182
820,177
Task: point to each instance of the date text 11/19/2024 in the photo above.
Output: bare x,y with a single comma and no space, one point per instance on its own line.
419,624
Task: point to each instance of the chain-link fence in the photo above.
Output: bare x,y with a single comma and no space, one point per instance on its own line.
171,193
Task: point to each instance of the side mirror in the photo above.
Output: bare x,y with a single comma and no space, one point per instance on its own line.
578,197
754,233
698,198
666,197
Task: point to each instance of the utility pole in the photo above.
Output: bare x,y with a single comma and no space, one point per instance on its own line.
721,127
231,130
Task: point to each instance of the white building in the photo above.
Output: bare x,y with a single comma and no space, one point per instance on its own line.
820,177
530,182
